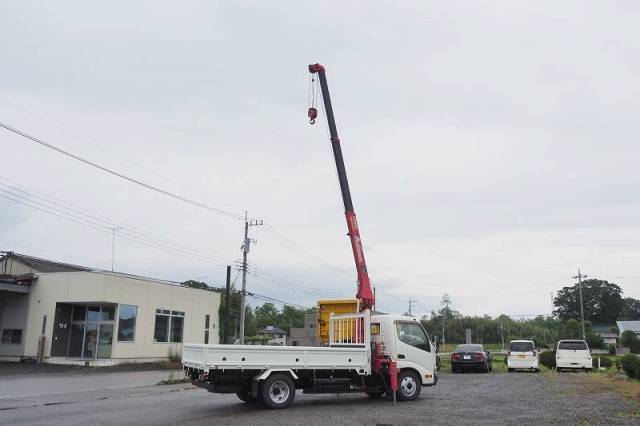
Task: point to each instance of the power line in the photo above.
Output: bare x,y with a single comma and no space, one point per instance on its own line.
289,244
97,219
107,230
120,175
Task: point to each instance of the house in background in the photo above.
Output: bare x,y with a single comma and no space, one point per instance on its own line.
277,336
307,335
61,313
629,325
608,336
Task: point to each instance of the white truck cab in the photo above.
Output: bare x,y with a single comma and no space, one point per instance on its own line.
365,354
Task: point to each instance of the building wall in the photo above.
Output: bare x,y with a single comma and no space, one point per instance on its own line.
14,268
88,287
13,315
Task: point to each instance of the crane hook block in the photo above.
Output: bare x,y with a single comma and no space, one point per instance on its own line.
312,114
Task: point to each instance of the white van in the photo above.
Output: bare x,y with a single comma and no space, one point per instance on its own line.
522,354
573,354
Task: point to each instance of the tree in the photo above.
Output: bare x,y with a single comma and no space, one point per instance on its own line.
602,302
573,329
197,284
630,340
630,309
266,314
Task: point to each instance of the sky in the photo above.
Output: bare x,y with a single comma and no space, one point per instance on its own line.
491,146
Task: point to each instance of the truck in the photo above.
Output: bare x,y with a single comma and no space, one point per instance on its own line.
362,351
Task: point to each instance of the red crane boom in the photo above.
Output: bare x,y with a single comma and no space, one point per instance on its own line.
364,294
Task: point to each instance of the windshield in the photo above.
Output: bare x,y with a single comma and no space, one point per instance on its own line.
413,334
576,345
521,347
468,348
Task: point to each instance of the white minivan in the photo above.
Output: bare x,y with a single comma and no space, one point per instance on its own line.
522,354
573,354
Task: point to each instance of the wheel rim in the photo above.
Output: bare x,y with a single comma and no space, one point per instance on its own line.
278,391
408,385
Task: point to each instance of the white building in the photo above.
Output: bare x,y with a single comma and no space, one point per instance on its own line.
277,336
63,313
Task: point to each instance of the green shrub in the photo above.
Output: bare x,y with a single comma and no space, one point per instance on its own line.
630,340
631,365
548,359
605,362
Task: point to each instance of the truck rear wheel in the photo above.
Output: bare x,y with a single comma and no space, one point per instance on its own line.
278,391
409,386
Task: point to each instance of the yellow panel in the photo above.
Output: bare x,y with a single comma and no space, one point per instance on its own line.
336,306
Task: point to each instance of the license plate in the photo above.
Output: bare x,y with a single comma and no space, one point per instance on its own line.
520,356
467,357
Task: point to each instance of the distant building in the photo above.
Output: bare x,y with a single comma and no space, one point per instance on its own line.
307,335
62,313
277,336
604,331
629,325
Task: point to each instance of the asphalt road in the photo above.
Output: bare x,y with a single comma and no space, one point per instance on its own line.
520,398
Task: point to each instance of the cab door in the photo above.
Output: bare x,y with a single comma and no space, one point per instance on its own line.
413,349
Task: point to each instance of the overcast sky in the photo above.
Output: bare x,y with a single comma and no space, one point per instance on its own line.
491,146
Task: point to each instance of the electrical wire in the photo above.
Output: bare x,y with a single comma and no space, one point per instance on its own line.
65,207
120,175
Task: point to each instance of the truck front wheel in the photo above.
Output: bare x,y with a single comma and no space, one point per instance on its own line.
409,386
278,391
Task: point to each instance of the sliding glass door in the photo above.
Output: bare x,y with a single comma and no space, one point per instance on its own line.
91,334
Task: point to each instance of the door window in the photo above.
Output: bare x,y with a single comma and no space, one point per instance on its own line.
413,334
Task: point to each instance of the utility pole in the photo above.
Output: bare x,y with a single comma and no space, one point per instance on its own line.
410,302
579,277
227,317
246,246
113,245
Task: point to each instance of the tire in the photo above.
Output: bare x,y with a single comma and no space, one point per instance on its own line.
510,370
536,370
454,370
486,369
374,395
245,396
278,391
409,386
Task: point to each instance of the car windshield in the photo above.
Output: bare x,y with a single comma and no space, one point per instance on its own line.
521,347
468,348
577,345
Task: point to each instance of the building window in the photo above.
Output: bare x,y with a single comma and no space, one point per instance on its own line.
169,326
127,323
11,336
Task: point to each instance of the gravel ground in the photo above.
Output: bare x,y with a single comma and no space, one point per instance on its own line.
21,369
514,398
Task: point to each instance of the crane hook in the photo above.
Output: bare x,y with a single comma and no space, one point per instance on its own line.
312,114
